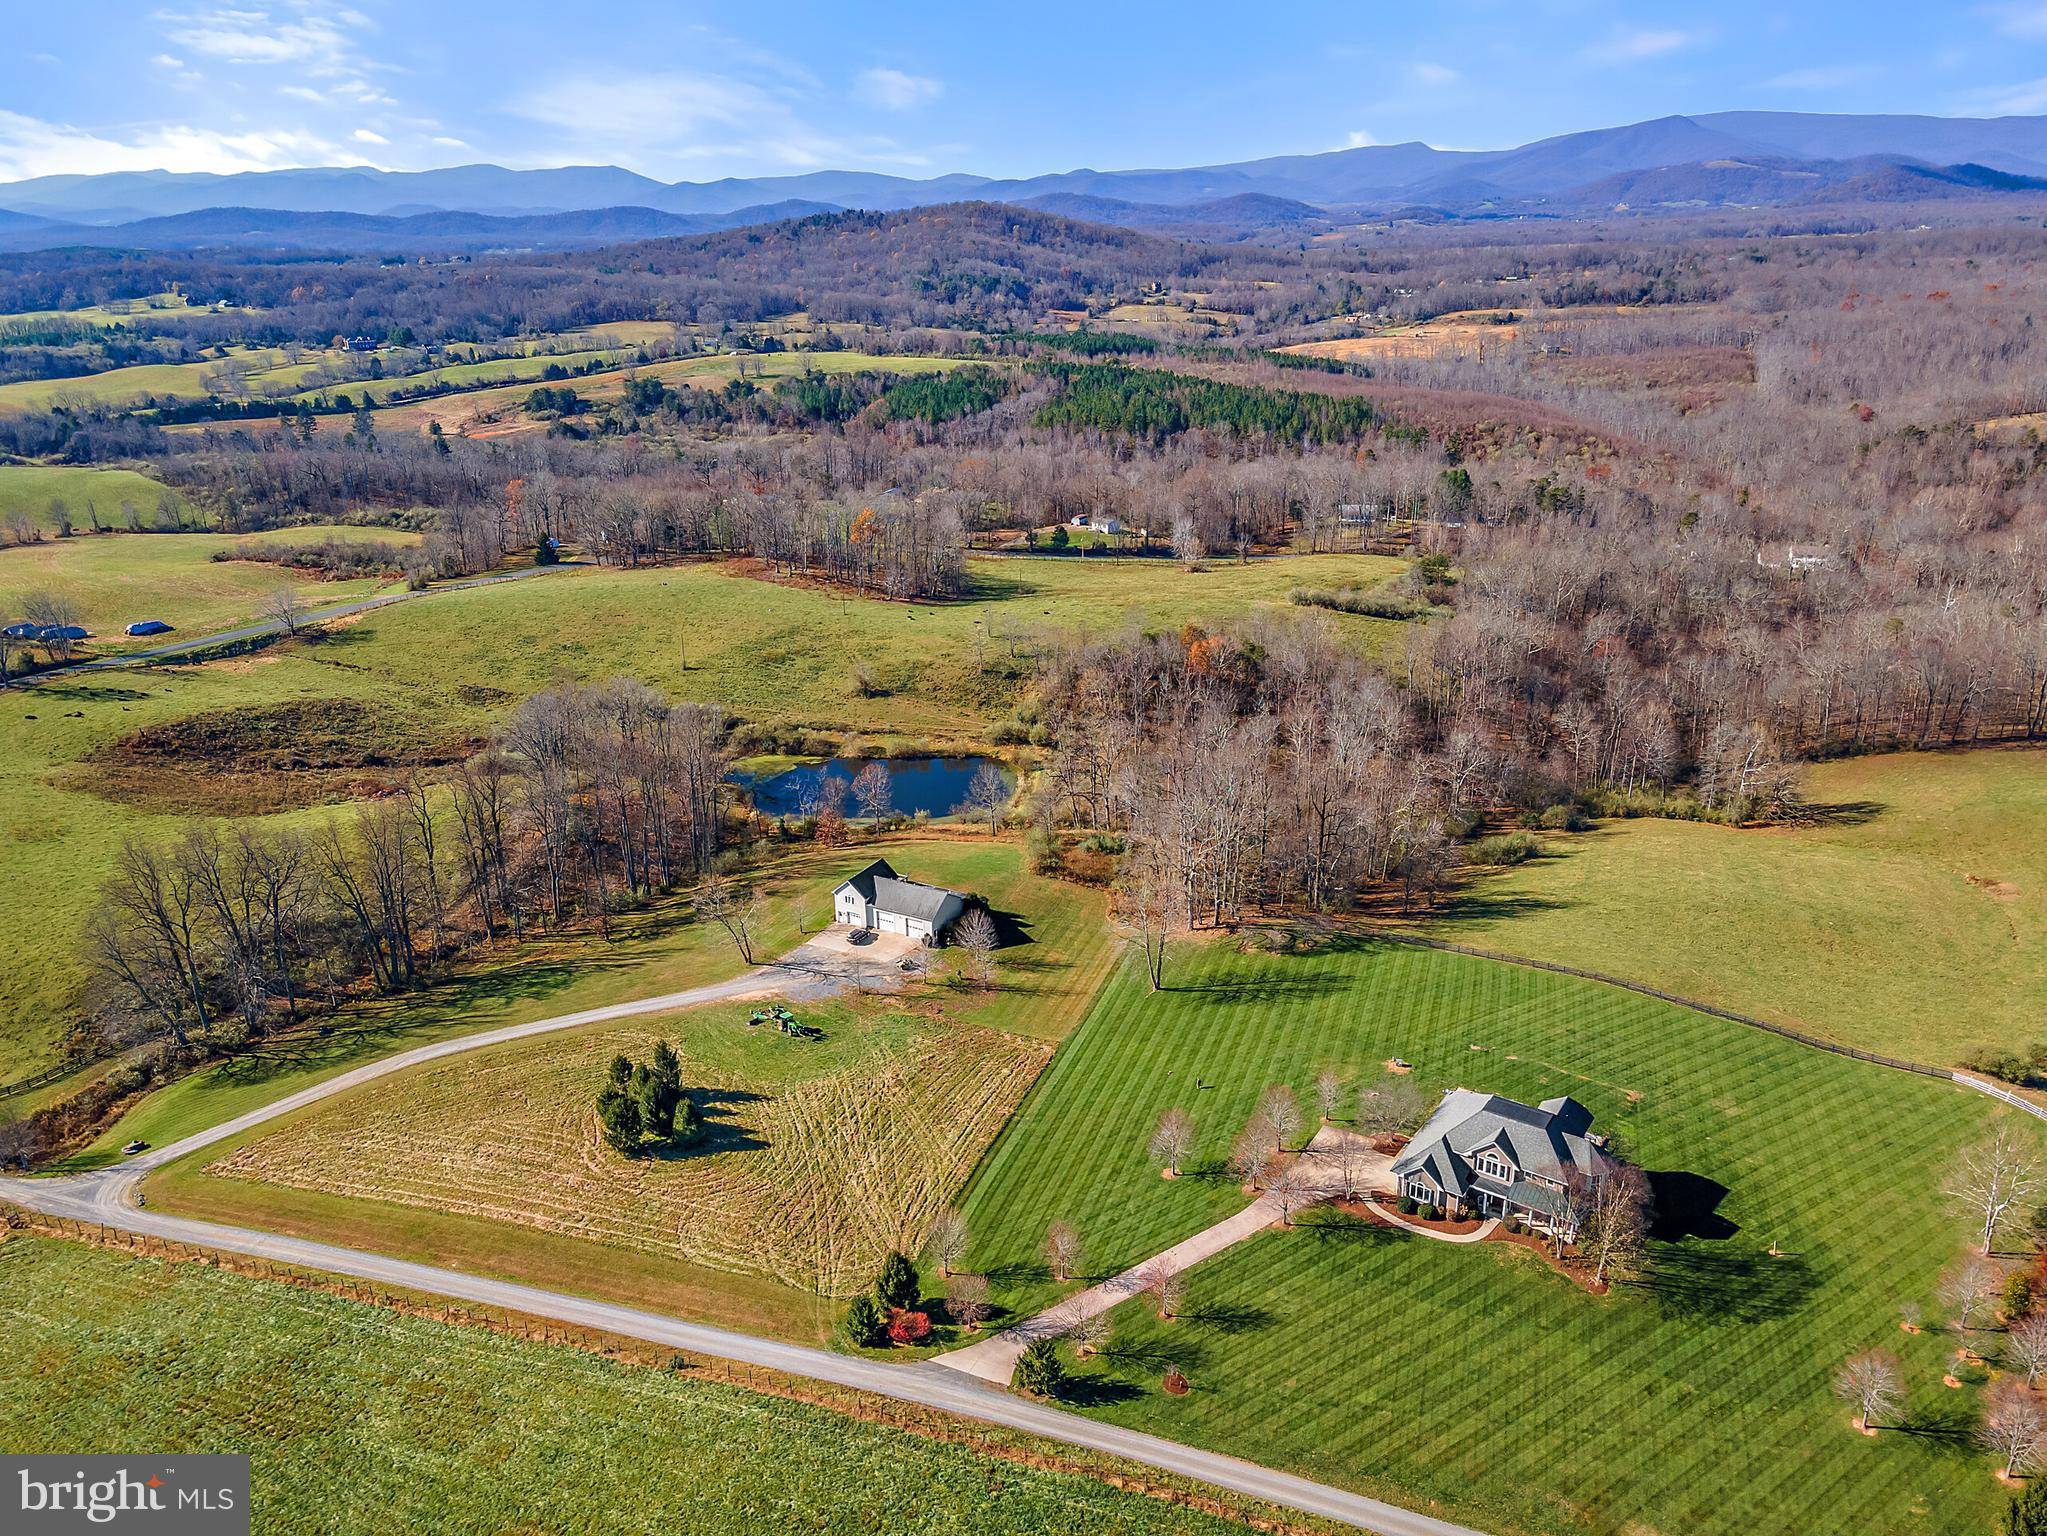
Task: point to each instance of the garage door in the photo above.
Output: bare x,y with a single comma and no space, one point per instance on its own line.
894,922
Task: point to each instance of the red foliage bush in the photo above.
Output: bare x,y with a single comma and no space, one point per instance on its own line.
907,1327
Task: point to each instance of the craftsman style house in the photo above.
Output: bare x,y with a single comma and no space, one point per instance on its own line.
1502,1158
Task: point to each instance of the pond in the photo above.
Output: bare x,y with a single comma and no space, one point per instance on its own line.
934,785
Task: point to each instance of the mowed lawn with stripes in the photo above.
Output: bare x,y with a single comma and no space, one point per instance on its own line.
1475,1378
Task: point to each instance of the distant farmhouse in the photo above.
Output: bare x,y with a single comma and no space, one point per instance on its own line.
1502,1158
879,898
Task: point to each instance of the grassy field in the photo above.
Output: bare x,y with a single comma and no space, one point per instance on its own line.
117,312
821,1157
174,577
88,493
460,375
769,651
361,1420
269,370
1695,1402
1911,919
493,412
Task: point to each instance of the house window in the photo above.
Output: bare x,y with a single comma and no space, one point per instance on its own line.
1492,1166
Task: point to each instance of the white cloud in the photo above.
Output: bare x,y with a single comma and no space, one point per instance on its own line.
446,142
2027,21
165,61
1434,76
1831,77
257,36
365,136
893,90
302,93
2020,99
686,118
32,147
1633,47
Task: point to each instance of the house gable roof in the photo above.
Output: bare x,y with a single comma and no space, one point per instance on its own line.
884,889
1547,1142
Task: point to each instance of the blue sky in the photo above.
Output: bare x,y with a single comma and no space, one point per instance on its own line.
698,91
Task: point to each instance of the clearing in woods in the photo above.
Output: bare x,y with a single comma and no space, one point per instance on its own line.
116,579
361,1421
1908,916
105,494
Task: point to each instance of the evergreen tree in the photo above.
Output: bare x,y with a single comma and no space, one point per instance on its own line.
864,1323
2026,1515
618,1112
1038,1370
898,1285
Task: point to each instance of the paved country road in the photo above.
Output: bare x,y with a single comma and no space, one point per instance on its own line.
107,1198
272,626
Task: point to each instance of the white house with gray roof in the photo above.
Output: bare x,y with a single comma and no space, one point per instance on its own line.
879,898
1502,1158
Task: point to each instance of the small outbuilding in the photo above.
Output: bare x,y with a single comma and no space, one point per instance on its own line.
879,898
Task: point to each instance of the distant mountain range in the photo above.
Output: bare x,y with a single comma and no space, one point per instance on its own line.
1717,159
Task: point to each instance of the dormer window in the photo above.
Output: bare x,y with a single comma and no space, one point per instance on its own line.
1492,1165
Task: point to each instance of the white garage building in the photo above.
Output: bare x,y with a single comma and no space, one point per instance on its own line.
883,900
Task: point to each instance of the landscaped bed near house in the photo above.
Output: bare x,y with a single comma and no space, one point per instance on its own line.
1801,1208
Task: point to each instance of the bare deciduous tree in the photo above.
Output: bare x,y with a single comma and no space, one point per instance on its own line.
947,1244
1091,1334
1251,1151
987,797
1328,1092
283,607
1171,1140
1281,1113
1968,1287
873,791
2025,1346
734,910
1871,1383
975,936
1062,1249
2014,1426
1390,1105
966,1301
1613,1229
1991,1179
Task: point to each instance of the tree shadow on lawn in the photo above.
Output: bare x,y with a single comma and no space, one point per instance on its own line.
1844,813
1012,930
1331,1226
1950,1428
1474,902
1229,1318
1739,1286
1157,1353
1093,1391
721,1133
1258,989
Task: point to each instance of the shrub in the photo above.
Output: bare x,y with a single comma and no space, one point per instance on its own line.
1371,605
1407,1205
1038,1370
898,1286
2018,1295
1428,1213
863,1323
2008,1065
1102,842
1505,849
906,1326
1042,852
1563,817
